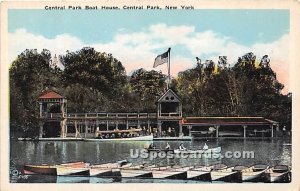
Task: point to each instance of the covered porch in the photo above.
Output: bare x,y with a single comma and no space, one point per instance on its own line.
216,127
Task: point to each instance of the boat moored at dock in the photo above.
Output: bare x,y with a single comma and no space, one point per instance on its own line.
279,173
125,169
72,171
100,171
256,173
221,172
133,173
169,174
40,169
49,169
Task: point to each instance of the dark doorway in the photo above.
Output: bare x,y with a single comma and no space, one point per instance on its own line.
55,108
51,129
169,107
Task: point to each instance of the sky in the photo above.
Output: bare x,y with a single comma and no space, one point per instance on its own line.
137,37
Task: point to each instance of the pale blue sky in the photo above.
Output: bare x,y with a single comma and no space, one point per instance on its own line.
244,26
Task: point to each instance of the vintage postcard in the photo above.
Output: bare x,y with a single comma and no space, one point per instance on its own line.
150,95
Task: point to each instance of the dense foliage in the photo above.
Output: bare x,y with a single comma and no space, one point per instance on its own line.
97,82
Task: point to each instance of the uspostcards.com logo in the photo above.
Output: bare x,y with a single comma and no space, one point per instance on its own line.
146,154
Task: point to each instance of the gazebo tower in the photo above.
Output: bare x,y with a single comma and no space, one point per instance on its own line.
53,107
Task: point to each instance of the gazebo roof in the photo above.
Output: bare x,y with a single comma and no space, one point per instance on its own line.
50,94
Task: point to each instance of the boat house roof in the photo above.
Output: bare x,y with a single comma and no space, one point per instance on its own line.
206,121
169,96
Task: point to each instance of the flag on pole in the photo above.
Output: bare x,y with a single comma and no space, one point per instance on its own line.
161,59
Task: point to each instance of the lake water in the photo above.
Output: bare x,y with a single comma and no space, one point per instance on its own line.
269,152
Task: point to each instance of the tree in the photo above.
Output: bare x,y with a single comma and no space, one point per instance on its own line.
192,86
148,86
29,75
95,74
83,99
94,69
248,88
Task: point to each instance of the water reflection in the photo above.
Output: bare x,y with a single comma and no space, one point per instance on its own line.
269,152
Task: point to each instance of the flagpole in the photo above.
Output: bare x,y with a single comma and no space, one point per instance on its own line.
169,68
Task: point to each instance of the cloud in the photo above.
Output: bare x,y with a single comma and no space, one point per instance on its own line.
21,40
138,49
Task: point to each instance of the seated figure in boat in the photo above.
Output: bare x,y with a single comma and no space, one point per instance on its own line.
100,136
151,146
181,147
168,147
205,147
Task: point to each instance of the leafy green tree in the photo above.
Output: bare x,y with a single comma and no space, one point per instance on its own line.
246,89
30,74
97,78
192,86
83,99
148,86
94,69
258,88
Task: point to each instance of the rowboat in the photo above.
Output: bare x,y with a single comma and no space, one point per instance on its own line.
108,169
169,172
199,173
39,169
48,169
173,172
216,150
115,165
75,164
279,173
221,172
134,173
73,170
254,173
100,171
161,150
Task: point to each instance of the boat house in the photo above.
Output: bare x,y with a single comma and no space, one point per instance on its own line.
168,121
229,126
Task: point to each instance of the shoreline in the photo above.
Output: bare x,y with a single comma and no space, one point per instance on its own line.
186,138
